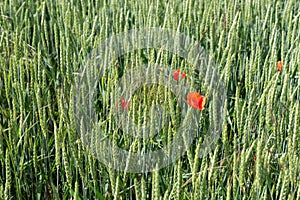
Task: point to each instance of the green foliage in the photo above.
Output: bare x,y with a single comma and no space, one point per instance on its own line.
42,46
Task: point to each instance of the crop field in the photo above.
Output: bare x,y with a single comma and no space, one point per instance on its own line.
147,99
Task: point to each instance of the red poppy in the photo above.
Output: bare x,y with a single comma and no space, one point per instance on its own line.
183,75
195,100
177,73
279,66
125,104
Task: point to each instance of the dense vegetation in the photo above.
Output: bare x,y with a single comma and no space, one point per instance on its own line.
43,45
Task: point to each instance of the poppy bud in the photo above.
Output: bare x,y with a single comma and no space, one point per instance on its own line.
279,66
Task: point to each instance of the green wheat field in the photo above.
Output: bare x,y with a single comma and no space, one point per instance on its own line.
43,45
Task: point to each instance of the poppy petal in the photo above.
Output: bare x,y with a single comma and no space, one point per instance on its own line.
202,102
125,104
176,74
183,75
279,66
195,100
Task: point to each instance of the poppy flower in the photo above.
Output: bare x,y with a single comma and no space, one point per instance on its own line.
195,100
125,104
279,66
177,73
